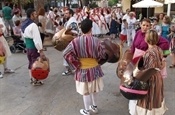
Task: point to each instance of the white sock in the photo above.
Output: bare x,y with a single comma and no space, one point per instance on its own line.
30,75
94,98
87,101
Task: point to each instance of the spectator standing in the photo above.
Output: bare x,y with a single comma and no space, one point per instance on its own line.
7,16
165,27
42,22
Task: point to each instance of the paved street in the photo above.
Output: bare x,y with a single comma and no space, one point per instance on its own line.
58,97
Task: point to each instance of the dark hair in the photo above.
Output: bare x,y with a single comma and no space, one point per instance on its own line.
6,4
71,11
124,20
86,25
17,22
29,12
146,20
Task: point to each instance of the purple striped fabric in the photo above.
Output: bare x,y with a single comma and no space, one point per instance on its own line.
85,46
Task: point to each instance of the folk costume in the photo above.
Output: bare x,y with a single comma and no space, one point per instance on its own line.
154,102
81,50
103,25
82,55
33,42
5,48
3,40
73,25
95,25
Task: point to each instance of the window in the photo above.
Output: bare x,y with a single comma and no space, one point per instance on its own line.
172,7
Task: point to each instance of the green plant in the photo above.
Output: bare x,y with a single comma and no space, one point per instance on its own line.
112,2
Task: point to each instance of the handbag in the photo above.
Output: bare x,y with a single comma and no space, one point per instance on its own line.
137,54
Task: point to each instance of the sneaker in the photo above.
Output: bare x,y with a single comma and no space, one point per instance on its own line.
37,83
1,76
93,108
84,112
66,73
9,71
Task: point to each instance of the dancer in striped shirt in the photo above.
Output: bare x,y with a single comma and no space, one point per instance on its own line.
82,55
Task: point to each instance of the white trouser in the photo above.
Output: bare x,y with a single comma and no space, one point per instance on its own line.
130,36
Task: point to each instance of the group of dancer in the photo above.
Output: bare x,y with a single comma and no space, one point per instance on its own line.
106,21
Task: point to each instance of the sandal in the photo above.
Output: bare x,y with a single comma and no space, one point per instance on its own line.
172,66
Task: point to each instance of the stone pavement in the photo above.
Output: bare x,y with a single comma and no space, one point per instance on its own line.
58,96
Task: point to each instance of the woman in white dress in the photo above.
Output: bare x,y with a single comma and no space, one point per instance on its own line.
95,27
103,24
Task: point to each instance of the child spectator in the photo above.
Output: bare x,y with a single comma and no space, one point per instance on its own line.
123,34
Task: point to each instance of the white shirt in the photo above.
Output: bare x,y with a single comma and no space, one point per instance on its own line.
158,29
123,29
32,32
126,16
107,18
51,15
131,23
15,18
119,15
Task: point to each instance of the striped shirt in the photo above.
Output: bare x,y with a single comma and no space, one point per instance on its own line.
85,46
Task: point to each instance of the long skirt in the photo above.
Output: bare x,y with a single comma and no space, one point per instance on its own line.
85,88
6,46
136,110
95,29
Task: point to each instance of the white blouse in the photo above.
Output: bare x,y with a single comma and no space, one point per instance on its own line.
32,32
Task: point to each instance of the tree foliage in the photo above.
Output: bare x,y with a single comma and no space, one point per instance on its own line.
112,2
22,2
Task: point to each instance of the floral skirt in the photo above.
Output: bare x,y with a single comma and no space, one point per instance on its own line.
85,88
